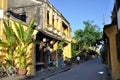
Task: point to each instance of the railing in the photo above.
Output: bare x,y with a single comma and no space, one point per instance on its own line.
57,32
50,27
53,30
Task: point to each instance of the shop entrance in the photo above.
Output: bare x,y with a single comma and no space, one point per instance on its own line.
44,47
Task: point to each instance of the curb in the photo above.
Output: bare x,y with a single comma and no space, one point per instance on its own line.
50,73
41,75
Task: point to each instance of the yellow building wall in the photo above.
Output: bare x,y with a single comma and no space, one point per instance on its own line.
1,29
55,46
66,31
31,69
59,24
50,17
3,6
55,20
108,58
67,51
115,64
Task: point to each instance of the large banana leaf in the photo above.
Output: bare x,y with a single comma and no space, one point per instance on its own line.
17,41
25,38
29,31
20,31
24,35
10,34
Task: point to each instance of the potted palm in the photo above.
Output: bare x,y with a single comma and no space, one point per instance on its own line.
23,63
17,41
25,38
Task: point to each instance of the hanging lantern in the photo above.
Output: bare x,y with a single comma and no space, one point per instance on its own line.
51,42
44,40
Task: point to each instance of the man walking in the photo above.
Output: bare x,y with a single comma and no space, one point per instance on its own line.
78,59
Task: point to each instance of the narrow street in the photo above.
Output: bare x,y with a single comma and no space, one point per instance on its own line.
59,40
90,70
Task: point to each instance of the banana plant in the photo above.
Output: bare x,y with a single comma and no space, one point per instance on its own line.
17,41
25,38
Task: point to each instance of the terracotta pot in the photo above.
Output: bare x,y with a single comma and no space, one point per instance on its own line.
21,72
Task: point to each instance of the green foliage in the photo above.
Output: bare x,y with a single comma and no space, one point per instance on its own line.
16,43
25,38
92,52
74,49
10,44
88,36
23,61
60,53
60,44
25,35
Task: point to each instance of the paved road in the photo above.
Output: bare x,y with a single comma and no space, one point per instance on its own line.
84,71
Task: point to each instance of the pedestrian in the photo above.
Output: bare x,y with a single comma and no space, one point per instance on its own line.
61,62
78,59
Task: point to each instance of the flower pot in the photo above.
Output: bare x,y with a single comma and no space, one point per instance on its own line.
21,72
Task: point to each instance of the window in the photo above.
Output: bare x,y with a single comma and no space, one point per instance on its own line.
22,17
53,20
47,17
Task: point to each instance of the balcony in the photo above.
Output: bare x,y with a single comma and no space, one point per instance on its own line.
58,33
55,31
50,28
66,37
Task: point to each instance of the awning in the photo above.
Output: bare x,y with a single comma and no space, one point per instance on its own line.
50,35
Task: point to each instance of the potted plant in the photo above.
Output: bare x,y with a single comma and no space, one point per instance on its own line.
25,38
23,63
17,41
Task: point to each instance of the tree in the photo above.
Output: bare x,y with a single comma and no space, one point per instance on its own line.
88,36
74,49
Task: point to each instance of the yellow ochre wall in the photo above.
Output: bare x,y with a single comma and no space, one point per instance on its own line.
3,6
115,64
67,51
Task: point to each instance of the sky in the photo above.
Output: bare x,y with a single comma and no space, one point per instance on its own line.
77,11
